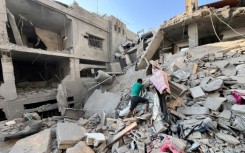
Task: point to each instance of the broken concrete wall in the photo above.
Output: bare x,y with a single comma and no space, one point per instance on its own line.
118,34
66,69
59,27
8,88
51,39
3,21
67,35
154,45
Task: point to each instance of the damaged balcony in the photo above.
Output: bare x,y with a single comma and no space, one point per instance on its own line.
37,26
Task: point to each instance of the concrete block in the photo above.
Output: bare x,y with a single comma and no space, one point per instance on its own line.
214,103
229,70
219,55
178,144
95,139
99,102
115,67
37,143
160,126
197,92
226,114
213,85
238,109
115,146
68,134
122,149
240,123
193,110
227,138
81,147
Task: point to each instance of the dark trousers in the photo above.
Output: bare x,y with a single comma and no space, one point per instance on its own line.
163,104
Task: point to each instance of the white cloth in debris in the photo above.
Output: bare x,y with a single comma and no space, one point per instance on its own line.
156,114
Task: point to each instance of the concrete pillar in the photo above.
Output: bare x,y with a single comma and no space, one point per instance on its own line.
8,88
3,21
176,49
191,6
77,68
193,35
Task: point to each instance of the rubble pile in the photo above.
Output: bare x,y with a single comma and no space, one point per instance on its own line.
206,111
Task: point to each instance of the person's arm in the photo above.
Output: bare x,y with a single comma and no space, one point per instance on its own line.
142,90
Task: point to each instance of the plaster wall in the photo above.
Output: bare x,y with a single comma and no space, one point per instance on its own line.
82,49
8,88
3,21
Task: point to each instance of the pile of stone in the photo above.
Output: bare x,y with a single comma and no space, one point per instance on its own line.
206,112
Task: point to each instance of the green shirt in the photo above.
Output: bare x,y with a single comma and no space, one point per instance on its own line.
136,89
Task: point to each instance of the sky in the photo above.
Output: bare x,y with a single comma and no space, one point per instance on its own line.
137,14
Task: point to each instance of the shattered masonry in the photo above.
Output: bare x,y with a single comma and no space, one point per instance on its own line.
64,90
44,42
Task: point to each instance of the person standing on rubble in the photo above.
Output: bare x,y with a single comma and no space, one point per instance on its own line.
161,87
137,88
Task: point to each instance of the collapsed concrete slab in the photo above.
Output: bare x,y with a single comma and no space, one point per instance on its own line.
27,129
238,109
214,103
226,114
227,138
81,147
213,85
69,134
193,110
197,92
37,143
152,48
99,102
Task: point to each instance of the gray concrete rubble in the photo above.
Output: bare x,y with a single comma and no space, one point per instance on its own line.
214,103
99,102
69,74
205,113
68,134
80,147
37,143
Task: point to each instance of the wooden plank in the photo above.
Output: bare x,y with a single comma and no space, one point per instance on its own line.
124,131
195,67
121,134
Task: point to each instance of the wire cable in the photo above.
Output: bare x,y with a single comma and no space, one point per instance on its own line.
226,24
214,27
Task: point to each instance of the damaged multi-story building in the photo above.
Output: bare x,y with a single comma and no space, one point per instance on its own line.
198,25
44,43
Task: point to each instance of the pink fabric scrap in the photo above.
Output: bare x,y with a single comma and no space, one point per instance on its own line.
168,146
160,81
238,97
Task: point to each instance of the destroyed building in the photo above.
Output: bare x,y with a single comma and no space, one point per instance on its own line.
199,25
194,61
44,42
